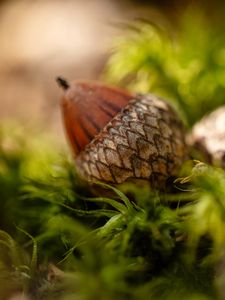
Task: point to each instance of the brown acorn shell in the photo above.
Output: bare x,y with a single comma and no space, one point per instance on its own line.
145,140
87,107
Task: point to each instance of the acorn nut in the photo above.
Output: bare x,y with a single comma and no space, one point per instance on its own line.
118,136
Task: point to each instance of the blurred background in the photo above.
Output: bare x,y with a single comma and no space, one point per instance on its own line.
42,39
175,49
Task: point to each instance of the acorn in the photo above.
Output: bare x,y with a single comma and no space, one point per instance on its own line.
118,136
208,137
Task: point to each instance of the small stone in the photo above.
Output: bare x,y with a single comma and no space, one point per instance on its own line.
208,136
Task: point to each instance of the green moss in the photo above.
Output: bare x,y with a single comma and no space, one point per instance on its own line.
135,244
185,65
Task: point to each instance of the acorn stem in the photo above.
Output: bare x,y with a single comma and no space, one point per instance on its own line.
62,82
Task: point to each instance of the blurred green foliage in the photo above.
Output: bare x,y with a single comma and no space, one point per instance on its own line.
58,239
186,64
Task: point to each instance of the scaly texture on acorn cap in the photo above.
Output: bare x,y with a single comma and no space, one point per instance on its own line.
145,140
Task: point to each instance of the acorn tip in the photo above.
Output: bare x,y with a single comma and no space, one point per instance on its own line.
62,82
